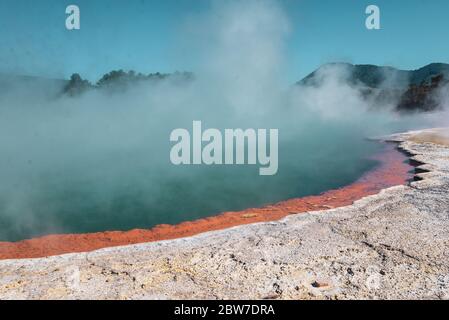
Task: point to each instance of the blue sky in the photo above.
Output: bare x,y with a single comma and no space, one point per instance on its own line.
144,35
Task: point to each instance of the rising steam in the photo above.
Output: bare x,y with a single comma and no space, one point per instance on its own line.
101,160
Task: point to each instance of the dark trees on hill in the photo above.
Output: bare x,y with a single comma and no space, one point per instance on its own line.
76,85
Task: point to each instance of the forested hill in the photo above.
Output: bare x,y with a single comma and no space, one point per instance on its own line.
412,90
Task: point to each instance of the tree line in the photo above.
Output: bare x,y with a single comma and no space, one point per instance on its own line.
118,80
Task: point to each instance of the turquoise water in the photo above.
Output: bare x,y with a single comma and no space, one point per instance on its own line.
120,191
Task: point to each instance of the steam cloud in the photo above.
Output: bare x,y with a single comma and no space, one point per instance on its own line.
102,159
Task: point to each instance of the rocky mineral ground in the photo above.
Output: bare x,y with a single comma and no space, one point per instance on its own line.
392,245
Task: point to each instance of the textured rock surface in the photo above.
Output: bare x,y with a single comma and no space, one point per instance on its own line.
391,245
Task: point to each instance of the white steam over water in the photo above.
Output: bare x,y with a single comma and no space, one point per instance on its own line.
101,160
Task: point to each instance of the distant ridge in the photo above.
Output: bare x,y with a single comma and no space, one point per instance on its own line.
114,81
12,78
23,84
375,76
410,90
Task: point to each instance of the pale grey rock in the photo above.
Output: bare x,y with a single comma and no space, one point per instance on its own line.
393,245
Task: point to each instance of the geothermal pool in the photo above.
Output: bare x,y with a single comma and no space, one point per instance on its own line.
122,191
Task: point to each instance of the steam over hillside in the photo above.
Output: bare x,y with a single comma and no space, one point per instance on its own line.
411,91
415,90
